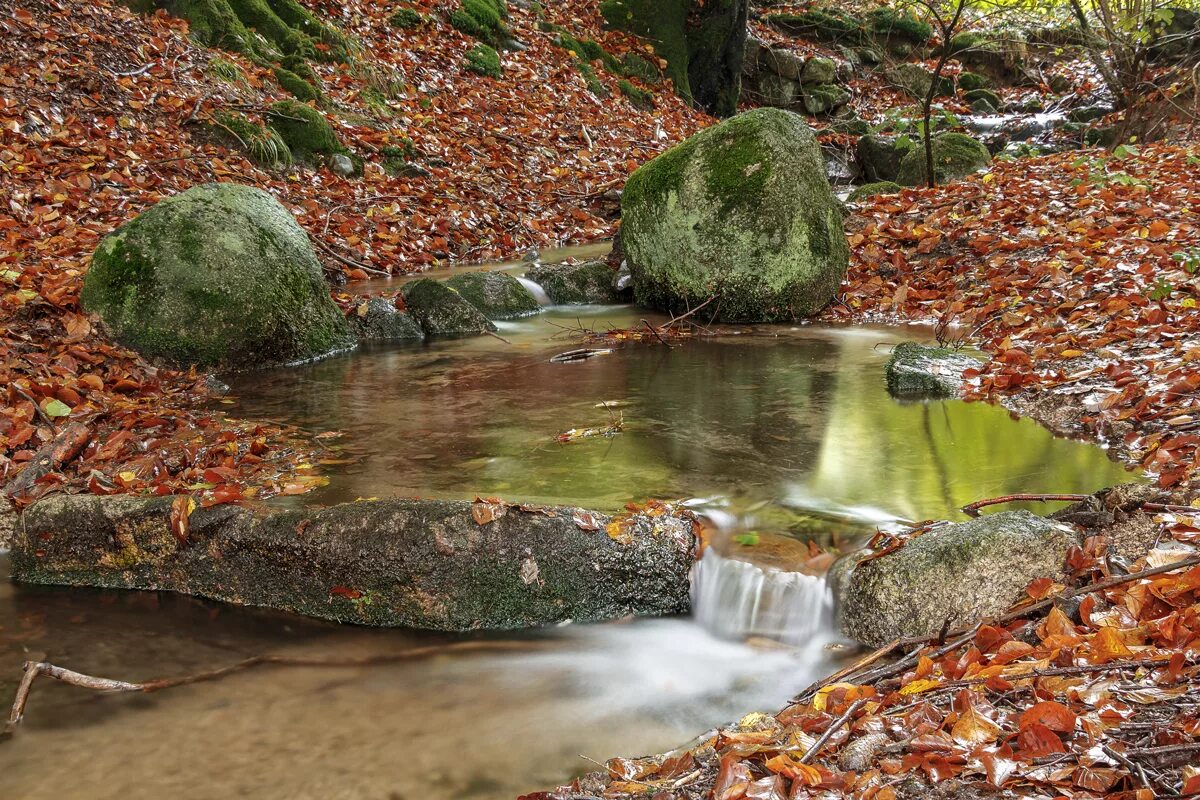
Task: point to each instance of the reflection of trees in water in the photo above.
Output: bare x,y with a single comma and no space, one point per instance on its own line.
739,412
922,460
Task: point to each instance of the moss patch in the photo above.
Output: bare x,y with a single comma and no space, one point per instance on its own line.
483,60
955,155
406,18
304,129
872,189
264,146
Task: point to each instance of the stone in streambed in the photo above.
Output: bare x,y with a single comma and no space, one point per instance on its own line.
957,574
585,283
407,563
923,371
382,322
217,276
441,311
497,294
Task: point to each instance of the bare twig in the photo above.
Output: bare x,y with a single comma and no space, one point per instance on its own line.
349,262
811,753
657,335
972,509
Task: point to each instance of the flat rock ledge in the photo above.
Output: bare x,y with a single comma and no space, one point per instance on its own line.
917,371
432,564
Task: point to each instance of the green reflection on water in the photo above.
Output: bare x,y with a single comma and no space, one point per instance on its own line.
796,416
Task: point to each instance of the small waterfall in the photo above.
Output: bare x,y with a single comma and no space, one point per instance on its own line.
537,291
736,599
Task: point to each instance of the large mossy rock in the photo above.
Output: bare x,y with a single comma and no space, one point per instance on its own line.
955,156
916,81
879,156
741,211
497,294
585,283
441,311
217,276
442,565
956,574
379,320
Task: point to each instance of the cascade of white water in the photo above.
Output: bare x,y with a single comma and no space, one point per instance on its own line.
536,290
736,599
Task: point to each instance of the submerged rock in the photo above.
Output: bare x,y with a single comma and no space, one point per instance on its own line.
411,563
918,370
956,574
497,294
955,155
441,311
217,276
585,283
382,322
741,211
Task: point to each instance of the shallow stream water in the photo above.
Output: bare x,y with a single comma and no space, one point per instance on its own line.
784,430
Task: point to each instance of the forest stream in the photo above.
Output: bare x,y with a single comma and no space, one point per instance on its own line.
777,434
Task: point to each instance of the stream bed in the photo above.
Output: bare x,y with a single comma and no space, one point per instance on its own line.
782,430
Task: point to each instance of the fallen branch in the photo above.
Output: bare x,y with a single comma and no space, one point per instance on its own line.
61,449
657,335
34,669
41,413
811,753
972,509
349,262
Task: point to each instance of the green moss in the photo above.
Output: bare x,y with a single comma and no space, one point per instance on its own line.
482,19
970,81
889,23
497,294
639,97
872,189
663,23
483,60
264,146
969,40
634,66
594,84
955,155
830,25
225,70
406,18
987,95
304,129
295,85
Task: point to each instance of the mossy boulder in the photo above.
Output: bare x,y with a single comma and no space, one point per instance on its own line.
824,24
742,212
818,70
406,18
872,189
441,311
915,80
217,276
497,294
879,156
585,283
955,156
378,320
969,81
923,371
895,26
824,99
983,95
483,60
954,574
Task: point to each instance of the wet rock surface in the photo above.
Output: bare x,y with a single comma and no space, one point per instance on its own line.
922,371
442,565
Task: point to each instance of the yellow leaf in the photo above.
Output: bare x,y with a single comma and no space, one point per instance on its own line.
973,728
917,687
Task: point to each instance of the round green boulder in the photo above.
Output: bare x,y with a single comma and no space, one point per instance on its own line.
955,155
741,212
217,276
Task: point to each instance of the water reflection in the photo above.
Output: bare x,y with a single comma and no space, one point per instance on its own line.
797,416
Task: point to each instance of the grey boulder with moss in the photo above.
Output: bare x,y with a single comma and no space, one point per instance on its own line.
742,212
497,294
956,574
378,320
412,563
584,283
872,189
923,371
441,311
955,156
217,276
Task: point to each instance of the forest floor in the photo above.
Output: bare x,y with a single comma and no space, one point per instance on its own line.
1075,274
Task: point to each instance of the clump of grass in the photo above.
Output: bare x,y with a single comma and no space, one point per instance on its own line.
263,145
482,20
639,97
225,70
407,18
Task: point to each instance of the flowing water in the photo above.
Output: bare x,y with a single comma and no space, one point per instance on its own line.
784,434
